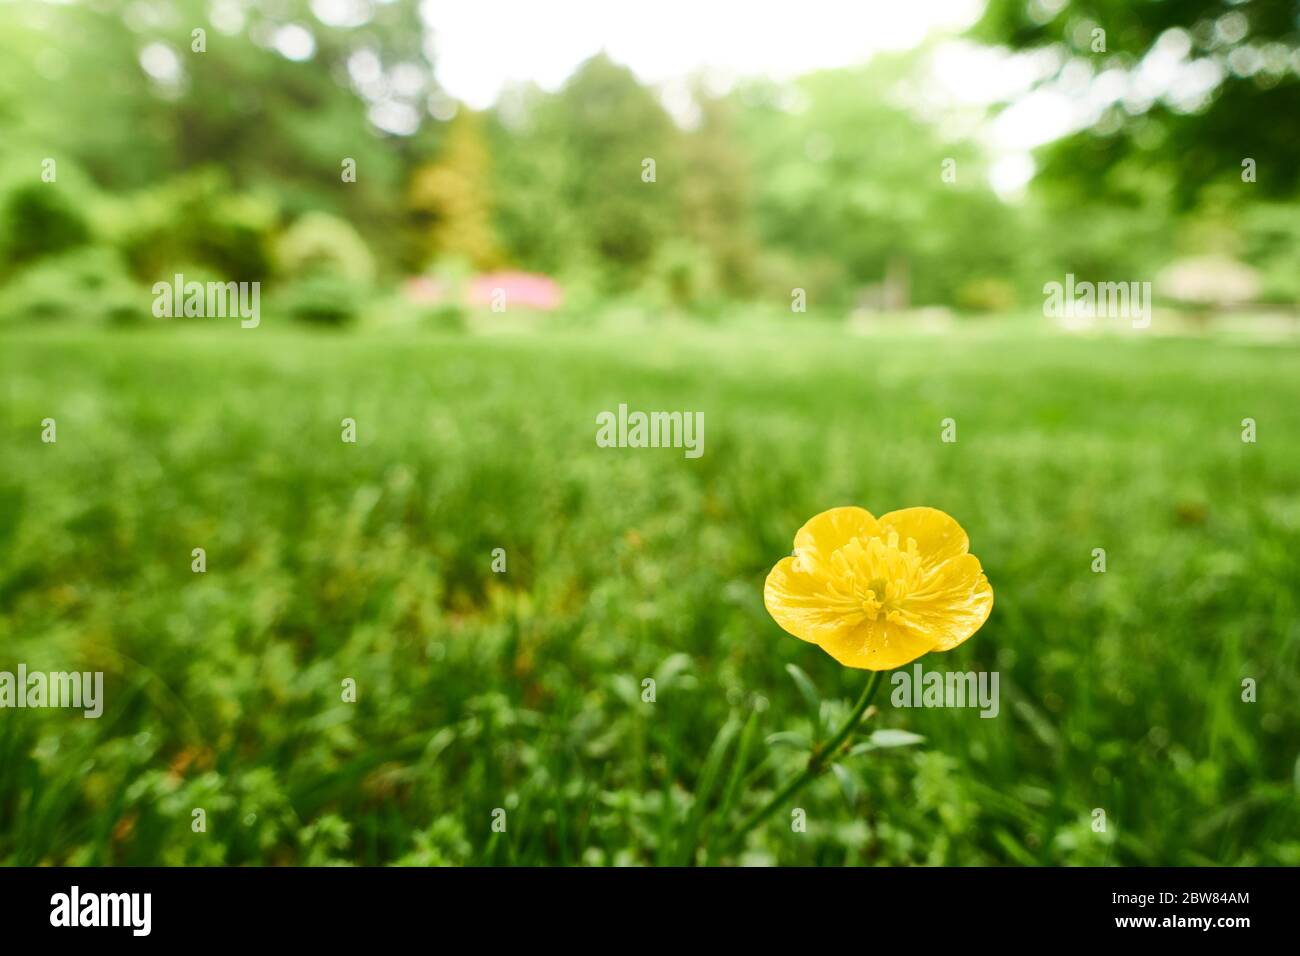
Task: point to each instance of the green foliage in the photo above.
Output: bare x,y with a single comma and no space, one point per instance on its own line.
39,219
833,183
448,317
681,275
610,126
985,295
319,244
448,199
322,299
84,285
270,123
1271,242
569,185
850,179
328,269
195,219
1187,146
717,194
522,691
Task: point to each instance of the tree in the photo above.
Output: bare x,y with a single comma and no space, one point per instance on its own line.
573,184
717,192
851,184
449,199
1250,46
273,97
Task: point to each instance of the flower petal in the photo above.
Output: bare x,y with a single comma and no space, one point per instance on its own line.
824,534
938,536
954,603
878,646
804,605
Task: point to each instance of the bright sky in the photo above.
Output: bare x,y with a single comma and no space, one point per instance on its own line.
481,46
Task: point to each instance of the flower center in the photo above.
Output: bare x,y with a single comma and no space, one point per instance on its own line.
879,573
878,588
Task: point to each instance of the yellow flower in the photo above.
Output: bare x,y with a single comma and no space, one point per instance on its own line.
876,593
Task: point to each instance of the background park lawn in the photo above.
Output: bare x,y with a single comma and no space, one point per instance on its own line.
522,690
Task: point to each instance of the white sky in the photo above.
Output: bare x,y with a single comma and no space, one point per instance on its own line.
480,46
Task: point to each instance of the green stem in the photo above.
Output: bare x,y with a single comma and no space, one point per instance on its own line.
822,757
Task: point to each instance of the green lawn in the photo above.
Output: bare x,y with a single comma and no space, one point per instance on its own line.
522,691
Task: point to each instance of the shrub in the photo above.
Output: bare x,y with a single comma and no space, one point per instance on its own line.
986,295
39,219
1271,243
88,284
321,244
682,275
446,317
323,300
197,220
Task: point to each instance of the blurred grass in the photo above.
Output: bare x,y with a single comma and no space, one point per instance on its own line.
522,690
